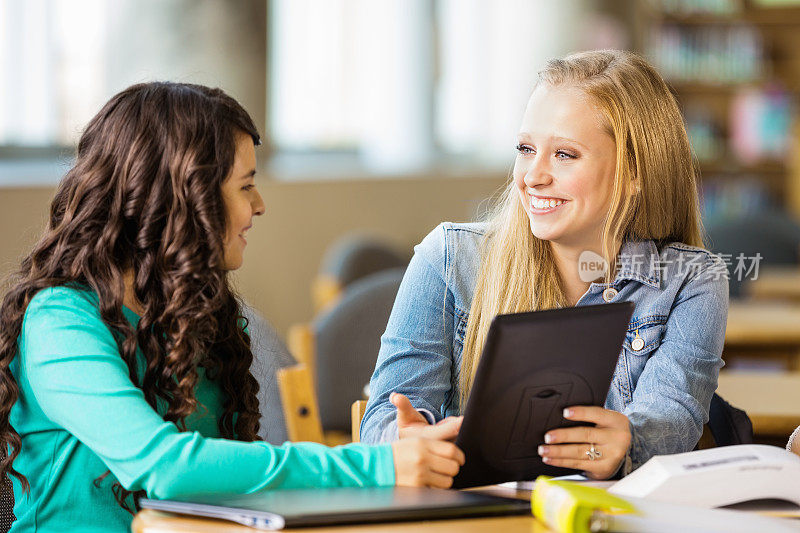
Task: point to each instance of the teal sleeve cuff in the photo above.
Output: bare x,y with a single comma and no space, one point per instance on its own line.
385,468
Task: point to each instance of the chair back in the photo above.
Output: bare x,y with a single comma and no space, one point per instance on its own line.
348,260
299,404
269,355
728,424
773,235
6,505
357,411
347,340
7,500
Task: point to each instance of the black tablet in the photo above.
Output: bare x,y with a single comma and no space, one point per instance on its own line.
533,366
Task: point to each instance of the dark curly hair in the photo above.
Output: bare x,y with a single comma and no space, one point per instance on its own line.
145,197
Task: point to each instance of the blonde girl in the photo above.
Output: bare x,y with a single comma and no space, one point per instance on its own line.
603,168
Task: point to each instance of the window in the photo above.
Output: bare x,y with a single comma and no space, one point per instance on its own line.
403,85
60,60
369,87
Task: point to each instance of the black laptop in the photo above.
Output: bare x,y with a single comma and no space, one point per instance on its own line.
533,366
277,509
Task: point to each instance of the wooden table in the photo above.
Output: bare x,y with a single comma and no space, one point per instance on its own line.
763,323
776,283
149,521
765,332
772,400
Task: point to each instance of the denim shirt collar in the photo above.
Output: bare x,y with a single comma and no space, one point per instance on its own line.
639,261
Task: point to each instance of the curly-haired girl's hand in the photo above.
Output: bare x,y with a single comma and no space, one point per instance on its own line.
421,462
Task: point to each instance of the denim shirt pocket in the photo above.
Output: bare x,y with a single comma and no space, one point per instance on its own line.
642,339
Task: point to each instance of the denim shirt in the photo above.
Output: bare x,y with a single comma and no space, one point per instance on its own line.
666,373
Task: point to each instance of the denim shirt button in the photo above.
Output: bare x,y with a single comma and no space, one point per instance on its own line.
609,294
637,344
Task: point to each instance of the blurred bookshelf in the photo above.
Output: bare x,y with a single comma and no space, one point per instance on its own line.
734,66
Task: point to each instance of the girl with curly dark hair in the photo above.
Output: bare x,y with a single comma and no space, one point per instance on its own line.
124,357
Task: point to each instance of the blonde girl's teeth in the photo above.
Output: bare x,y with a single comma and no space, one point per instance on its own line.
545,204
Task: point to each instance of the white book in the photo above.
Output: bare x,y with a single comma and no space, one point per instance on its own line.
716,477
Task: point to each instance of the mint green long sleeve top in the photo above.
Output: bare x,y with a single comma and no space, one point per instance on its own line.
80,415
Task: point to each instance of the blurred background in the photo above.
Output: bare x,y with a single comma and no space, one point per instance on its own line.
382,118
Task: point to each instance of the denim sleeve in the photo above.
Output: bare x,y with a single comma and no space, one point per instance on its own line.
673,395
415,357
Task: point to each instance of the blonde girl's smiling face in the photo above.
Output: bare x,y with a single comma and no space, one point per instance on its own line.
565,165
242,201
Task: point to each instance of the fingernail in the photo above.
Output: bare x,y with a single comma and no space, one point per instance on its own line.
567,412
545,459
548,438
542,450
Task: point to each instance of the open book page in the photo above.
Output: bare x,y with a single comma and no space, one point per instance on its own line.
716,477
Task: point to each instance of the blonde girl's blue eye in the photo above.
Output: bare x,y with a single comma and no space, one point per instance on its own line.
524,149
564,155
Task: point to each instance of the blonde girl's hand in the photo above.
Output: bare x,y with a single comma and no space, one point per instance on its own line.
411,423
421,462
609,439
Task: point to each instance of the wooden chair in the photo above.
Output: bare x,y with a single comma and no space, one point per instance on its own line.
356,414
302,345
299,404
270,354
300,341
347,260
339,348
325,292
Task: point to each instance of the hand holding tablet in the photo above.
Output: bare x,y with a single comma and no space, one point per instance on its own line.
533,366
598,451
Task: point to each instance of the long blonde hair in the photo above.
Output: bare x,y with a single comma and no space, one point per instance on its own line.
518,272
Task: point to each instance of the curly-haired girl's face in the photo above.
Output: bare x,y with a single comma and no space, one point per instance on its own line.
242,201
